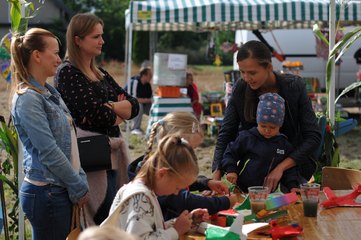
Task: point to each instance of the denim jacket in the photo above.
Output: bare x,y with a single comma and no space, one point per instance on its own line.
44,130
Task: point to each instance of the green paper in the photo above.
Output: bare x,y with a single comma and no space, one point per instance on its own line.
246,204
213,233
229,220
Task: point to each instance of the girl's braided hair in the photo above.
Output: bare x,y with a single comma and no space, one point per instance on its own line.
172,123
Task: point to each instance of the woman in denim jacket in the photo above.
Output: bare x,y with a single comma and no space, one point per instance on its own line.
54,180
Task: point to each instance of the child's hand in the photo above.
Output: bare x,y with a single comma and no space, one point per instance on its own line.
232,177
296,190
183,223
235,198
218,187
199,215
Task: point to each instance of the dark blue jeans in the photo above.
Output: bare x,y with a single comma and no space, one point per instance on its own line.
48,209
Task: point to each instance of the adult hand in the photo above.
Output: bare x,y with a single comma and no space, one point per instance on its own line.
232,177
183,223
217,175
83,200
207,193
273,178
218,187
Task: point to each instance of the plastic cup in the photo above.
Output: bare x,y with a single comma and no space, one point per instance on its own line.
310,193
257,197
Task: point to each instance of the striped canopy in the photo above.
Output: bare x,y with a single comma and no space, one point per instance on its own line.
207,15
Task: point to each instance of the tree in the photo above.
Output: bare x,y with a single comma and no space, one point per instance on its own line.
112,12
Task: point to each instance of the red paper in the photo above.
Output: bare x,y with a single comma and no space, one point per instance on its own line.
342,201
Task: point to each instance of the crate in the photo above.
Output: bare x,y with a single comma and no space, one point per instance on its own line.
168,91
345,126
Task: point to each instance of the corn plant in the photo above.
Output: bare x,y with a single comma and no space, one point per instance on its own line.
330,154
9,173
20,13
335,54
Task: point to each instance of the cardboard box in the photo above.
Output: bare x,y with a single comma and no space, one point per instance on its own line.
170,69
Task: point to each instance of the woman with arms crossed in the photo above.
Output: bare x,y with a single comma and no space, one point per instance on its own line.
97,103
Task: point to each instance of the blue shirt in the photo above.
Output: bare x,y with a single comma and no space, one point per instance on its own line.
44,130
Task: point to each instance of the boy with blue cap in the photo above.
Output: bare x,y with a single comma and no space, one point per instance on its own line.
256,152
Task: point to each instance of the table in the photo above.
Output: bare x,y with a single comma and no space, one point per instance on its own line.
333,223
161,106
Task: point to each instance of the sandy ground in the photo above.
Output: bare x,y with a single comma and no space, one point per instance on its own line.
208,80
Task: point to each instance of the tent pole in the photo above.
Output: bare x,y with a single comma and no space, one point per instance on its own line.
126,74
128,58
331,93
129,65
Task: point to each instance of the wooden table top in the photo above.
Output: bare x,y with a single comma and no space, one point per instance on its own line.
332,223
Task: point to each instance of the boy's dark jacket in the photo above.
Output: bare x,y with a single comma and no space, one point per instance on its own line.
251,156
173,205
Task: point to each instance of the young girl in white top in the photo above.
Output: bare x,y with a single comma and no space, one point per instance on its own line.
135,209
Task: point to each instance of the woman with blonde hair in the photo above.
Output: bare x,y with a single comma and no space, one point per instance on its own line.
54,179
188,127
97,104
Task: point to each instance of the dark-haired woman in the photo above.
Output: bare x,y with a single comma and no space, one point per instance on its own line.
300,124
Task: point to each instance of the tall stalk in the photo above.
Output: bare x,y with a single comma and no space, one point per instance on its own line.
20,13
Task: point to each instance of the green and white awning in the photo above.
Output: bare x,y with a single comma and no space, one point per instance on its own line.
207,15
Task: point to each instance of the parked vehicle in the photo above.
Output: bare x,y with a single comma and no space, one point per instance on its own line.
300,45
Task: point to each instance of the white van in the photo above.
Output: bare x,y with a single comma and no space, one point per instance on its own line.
301,42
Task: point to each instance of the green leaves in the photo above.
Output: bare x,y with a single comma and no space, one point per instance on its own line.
9,171
20,13
337,51
318,33
341,47
15,14
347,89
9,141
330,153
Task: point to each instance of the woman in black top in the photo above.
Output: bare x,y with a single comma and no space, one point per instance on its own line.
97,103
300,123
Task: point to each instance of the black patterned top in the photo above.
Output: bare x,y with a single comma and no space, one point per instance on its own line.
85,99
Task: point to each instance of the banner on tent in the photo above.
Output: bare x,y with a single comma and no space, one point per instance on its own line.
179,15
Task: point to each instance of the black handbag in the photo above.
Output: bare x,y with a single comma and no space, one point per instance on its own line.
95,152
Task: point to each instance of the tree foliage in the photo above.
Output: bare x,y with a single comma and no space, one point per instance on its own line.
112,12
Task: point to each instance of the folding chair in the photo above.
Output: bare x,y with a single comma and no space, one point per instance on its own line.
338,178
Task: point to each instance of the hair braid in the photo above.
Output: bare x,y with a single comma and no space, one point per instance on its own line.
152,136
